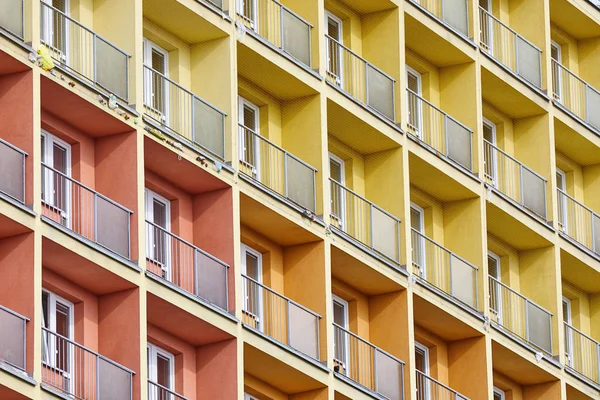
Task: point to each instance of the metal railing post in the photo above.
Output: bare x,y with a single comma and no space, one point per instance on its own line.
281,29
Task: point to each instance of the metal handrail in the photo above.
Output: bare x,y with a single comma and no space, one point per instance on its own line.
439,110
519,295
426,377
23,154
24,320
576,201
368,343
450,252
515,160
591,339
359,57
365,200
164,393
87,188
509,28
582,352
581,232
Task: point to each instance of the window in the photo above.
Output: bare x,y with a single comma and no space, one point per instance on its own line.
334,48
567,317
415,106
499,394
249,397
158,215
55,28
253,292
57,350
156,72
490,156
419,244
341,338
249,137
338,193
496,290
56,186
161,371
556,54
561,184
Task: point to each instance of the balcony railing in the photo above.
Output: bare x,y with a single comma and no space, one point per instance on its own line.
367,364
430,389
583,353
439,130
521,316
12,171
80,50
13,339
85,212
453,13
159,392
186,266
281,318
445,270
12,17
515,180
276,169
578,222
578,96
80,372
510,49
364,221
183,113
278,25
360,79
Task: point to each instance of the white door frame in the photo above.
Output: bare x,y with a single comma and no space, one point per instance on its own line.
49,26
342,194
497,258
338,20
151,196
490,28
345,363
425,350
149,46
493,154
259,260
500,393
568,318
562,203
255,164
154,351
419,92
558,92
253,19
48,152
422,240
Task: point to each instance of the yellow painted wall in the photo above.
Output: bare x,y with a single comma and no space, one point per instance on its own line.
430,76
511,388
589,59
261,389
269,109
568,47
438,353
433,213
354,164
509,262
580,306
358,308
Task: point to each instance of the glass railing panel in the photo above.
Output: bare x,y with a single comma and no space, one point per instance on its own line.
453,13
12,171
12,17
13,338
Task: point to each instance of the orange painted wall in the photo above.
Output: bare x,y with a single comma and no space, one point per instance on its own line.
17,283
16,114
468,355
272,257
216,375
119,331
438,353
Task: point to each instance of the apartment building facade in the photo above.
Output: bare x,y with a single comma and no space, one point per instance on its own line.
304,200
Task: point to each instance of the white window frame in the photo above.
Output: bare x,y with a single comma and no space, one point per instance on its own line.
423,244
50,347
154,351
500,392
569,337
249,397
558,93
345,363
48,154
259,259
242,102
499,290
419,106
151,196
338,20
562,203
49,24
494,155
425,350
148,47
342,163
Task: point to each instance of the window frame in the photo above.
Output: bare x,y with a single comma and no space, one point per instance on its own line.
419,106
499,392
260,301
498,297
342,195
562,202
154,351
494,142
47,151
151,251
253,164
338,75
346,308
422,240
148,46
557,93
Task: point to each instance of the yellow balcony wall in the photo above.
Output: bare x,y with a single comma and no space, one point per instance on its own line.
517,391
261,389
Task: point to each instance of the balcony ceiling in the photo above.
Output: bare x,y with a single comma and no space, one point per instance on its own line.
574,20
517,368
176,18
439,322
9,227
10,65
370,6
574,145
510,228
580,273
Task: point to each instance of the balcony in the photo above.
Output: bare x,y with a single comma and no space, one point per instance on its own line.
186,266
81,51
183,114
579,97
515,180
12,18
360,79
520,316
12,171
445,270
281,318
429,388
159,392
85,212
367,364
277,170
279,26
361,220
13,339
510,49
440,131
452,13
578,222
76,371
583,353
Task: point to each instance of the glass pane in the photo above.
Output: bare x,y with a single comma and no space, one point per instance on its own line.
12,339
389,376
113,382
159,213
62,319
11,17
335,170
111,69
45,309
303,331
339,314
459,143
252,266
385,231
296,37
420,360
380,92
163,371
528,62
534,192
488,133
209,131
539,327
463,282
12,180
415,219
112,227
593,107
413,82
60,158
211,277
333,29
300,183
456,15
